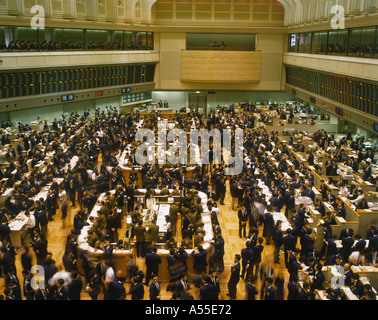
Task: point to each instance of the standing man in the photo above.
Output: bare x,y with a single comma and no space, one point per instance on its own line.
247,256
234,278
243,218
289,244
140,238
199,263
130,197
278,241
268,227
152,264
155,288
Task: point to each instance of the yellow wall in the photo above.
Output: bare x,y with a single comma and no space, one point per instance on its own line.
167,75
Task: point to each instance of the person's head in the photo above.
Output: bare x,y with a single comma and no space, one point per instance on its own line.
269,281
25,273
184,276
155,278
237,258
355,276
60,283
135,279
370,295
318,267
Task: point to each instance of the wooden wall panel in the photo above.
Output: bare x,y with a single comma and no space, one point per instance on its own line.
220,66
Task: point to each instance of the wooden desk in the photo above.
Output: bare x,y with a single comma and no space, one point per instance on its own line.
16,225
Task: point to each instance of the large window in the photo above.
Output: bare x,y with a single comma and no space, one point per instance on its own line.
62,39
220,41
305,42
356,42
354,93
337,42
319,42
361,42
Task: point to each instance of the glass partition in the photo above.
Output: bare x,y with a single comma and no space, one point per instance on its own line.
232,42
293,42
337,42
3,43
96,40
115,40
367,41
23,39
13,38
319,43
63,39
356,42
305,42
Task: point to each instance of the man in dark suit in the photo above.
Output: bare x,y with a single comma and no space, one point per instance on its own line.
373,242
270,293
330,198
360,245
152,264
293,265
153,231
215,281
75,286
173,214
50,205
305,293
318,279
140,237
289,203
60,292
234,278
367,172
199,263
155,288
137,289
347,244
130,194
268,227
208,291
243,218
183,286
247,257
278,241
112,226
289,244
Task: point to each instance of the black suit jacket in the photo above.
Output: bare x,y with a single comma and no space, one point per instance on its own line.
152,261
154,291
207,292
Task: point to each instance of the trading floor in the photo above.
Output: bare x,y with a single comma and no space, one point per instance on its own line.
91,93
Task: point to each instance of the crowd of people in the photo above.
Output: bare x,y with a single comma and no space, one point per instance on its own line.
96,142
